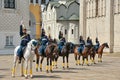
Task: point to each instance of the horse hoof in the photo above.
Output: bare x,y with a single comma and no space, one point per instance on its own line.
88,65
76,64
79,64
40,69
47,71
26,77
51,71
22,75
37,69
31,76
67,67
94,63
13,76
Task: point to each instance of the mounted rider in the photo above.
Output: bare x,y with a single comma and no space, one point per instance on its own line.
82,44
25,38
44,42
62,42
97,44
89,42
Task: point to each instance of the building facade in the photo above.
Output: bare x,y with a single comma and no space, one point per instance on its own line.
62,16
100,18
11,14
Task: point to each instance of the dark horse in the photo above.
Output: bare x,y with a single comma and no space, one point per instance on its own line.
51,52
100,51
64,53
85,53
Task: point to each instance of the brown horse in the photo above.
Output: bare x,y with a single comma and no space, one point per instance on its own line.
85,53
51,52
100,51
64,53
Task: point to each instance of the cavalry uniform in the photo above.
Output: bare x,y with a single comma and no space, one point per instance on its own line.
61,44
44,42
97,45
82,45
25,38
89,42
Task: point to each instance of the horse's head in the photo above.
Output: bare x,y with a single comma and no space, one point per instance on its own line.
33,43
106,45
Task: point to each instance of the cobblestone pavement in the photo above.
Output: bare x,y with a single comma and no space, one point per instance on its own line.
109,69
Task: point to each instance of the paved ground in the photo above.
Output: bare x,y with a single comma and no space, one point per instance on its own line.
109,69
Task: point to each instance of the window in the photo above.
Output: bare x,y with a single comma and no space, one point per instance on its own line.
72,31
36,1
31,1
9,4
9,40
65,31
43,2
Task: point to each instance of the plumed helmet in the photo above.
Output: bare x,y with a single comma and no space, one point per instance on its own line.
23,26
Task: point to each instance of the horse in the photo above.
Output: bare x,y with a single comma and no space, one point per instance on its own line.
51,52
28,56
64,53
100,51
85,53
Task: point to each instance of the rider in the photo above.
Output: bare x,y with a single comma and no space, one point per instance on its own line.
44,42
62,42
82,43
97,44
25,38
89,41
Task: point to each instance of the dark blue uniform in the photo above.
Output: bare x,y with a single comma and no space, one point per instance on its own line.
44,41
25,38
61,44
89,42
82,44
97,45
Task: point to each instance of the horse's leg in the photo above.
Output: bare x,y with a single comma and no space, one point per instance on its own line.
63,62
42,58
91,58
37,61
83,60
87,61
26,68
98,57
67,61
50,65
78,60
101,57
31,69
14,66
94,58
56,62
47,67
22,72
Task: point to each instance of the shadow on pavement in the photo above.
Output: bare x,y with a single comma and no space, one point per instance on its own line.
64,71
44,76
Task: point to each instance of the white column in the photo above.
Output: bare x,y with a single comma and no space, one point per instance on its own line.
110,23
82,23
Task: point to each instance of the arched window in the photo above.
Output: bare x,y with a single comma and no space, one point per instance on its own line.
9,4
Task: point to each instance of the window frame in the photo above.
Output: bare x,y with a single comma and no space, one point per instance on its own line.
9,4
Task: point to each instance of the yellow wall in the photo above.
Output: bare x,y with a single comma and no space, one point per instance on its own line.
36,11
